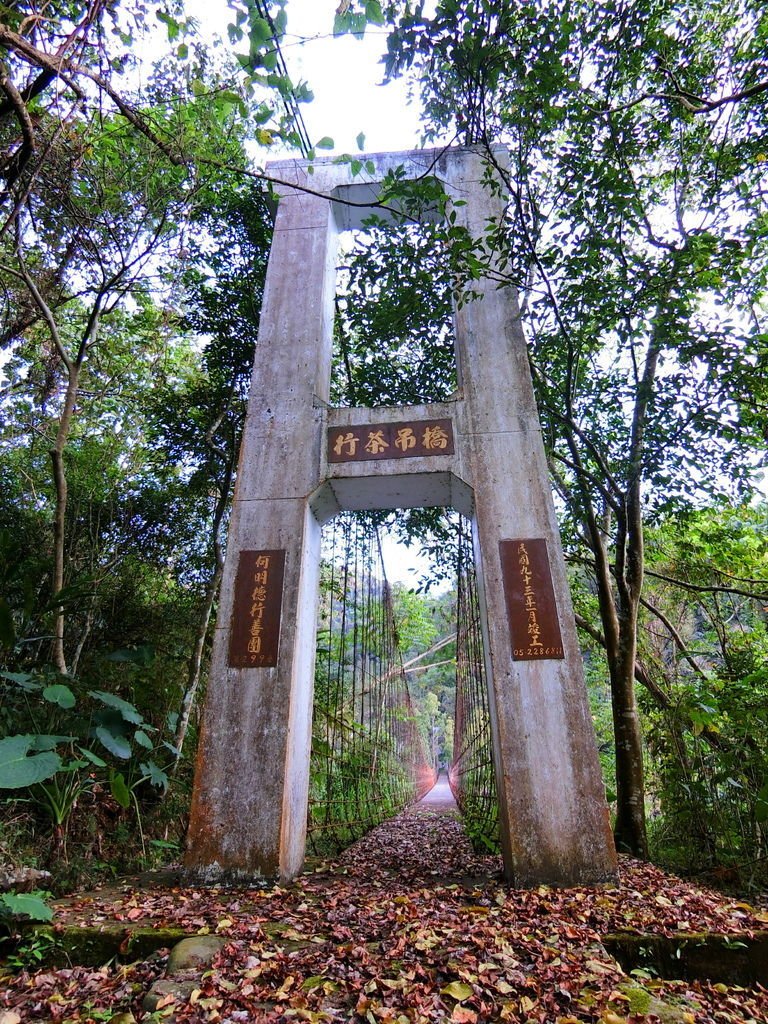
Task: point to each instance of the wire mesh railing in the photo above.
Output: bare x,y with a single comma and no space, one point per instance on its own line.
472,773
369,759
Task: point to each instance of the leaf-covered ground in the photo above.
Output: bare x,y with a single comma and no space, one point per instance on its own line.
408,926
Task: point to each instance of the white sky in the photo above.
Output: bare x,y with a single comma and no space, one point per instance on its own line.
344,75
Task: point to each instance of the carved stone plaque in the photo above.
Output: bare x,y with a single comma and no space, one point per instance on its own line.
530,599
255,631
407,440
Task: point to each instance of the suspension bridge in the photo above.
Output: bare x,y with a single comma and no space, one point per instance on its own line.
371,752
276,768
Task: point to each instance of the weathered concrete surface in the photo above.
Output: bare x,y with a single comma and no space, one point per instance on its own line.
250,799
703,956
249,802
93,945
554,821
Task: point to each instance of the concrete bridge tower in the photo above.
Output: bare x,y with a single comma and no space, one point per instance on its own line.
301,463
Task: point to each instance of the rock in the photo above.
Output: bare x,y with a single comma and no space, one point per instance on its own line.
123,1018
22,879
167,991
668,1010
9,1017
193,953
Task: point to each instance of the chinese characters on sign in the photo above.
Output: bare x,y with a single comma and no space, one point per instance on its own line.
390,441
255,632
530,598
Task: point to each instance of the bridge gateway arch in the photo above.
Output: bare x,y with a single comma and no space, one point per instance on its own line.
302,462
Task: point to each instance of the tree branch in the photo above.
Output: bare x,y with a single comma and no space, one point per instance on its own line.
700,588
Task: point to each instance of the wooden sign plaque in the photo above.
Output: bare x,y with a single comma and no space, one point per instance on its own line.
254,636
530,598
407,440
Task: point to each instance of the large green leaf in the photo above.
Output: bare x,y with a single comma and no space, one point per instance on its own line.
127,710
143,740
48,741
25,903
19,768
155,774
61,695
93,758
119,789
115,744
23,679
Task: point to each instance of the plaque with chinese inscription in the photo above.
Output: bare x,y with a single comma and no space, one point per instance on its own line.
530,598
390,441
255,631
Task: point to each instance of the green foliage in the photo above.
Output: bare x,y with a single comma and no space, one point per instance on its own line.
635,224
394,332
481,821
709,755
369,752
20,767
71,771
416,626
30,953
29,905
355,16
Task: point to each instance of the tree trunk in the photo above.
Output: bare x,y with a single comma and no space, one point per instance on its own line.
629,831
60,514
196,661
73,368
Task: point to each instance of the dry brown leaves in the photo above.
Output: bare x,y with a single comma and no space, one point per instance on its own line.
409,926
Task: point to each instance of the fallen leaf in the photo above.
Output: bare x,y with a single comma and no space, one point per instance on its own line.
596,965
463,1014
458,990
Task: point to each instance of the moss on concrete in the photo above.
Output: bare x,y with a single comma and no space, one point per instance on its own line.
694,956
92,946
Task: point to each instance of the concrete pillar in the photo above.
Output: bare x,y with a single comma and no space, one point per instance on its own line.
554,819
249,804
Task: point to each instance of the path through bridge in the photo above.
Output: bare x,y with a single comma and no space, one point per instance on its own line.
424,845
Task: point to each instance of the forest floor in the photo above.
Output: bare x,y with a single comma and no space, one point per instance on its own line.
408,926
